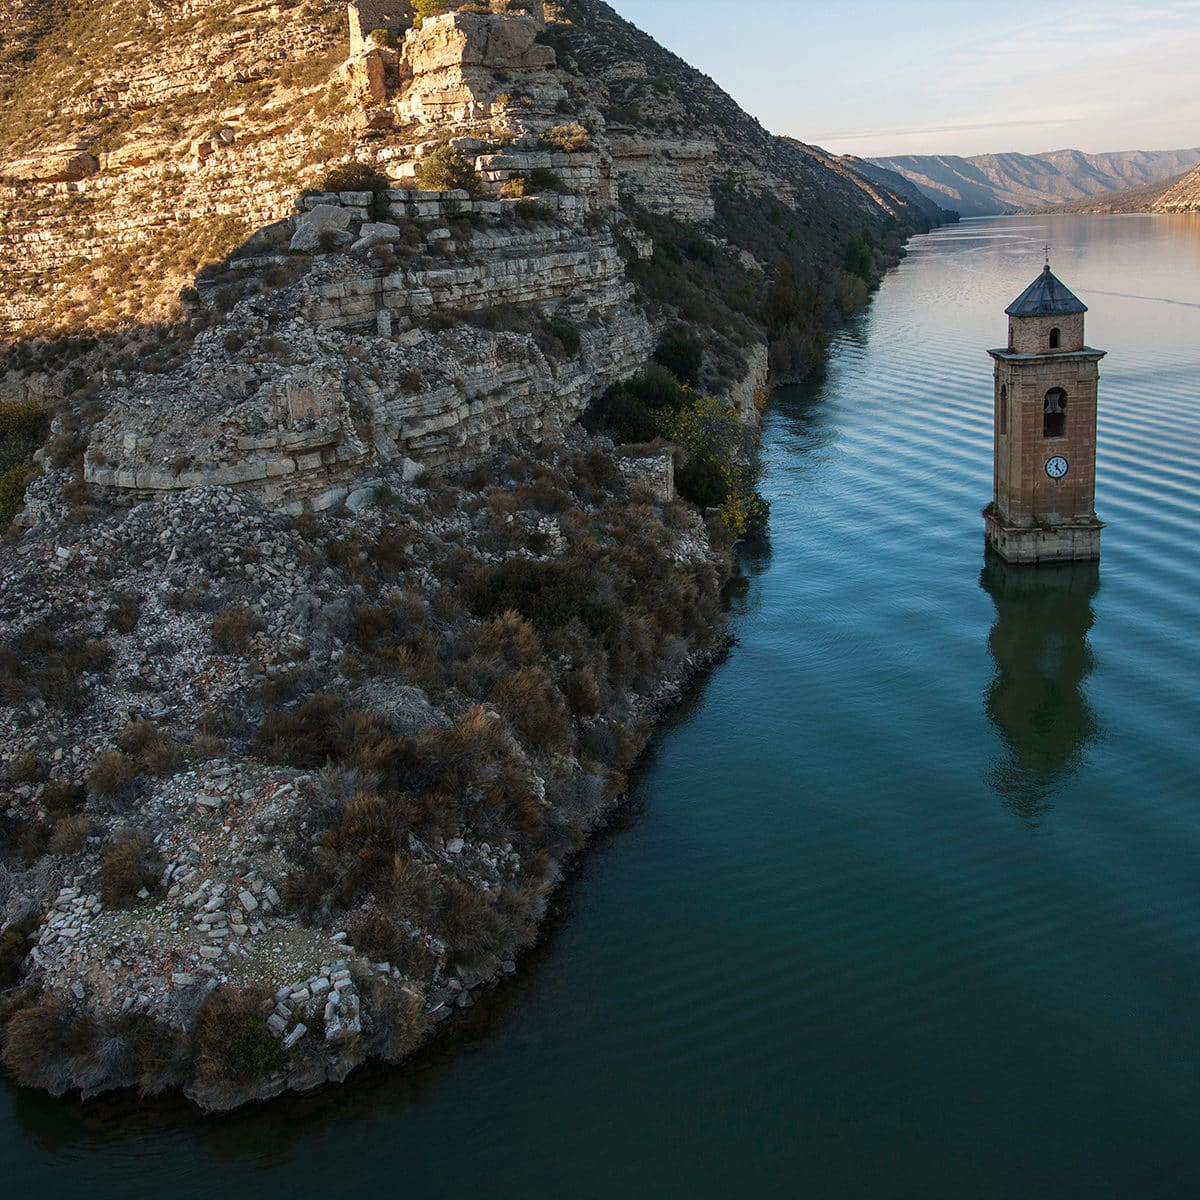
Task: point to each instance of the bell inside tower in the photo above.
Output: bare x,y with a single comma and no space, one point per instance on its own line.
1054,419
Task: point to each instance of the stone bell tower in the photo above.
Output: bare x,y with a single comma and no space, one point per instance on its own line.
1044,507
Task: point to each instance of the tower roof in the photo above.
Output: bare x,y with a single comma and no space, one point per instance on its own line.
1046,296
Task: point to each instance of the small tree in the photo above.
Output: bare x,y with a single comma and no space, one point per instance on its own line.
571,139
446,170
427,8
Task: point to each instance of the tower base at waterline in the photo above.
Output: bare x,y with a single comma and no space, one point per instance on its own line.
1077,542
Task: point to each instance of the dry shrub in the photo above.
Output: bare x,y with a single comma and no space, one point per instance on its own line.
47,1043
570,138
124,611
112,775
381,939
70,834
399,1017
25,768
535,709
155,752
129,865
582,691
62,796
470,922
230,1039
158,1054
301,737
14,946
508,639
206,745
46,663
233,627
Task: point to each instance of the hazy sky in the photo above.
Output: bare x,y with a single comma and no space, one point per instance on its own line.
942,77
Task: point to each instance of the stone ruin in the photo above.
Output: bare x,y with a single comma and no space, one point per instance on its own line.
367,16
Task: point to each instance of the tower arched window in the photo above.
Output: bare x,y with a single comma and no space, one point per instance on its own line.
1055,338
1054,420
1003,408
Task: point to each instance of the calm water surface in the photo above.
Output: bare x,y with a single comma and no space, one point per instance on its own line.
907,904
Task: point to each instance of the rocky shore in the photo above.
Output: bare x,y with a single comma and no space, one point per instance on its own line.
208,698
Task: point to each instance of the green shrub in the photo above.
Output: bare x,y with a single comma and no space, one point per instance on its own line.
515,187
719,451
230,1039
859,258
448,169
360,177
683,357
354,177
531,211
427,8
23,426
564,333
13,483
542,179
657,388
549,595
702,481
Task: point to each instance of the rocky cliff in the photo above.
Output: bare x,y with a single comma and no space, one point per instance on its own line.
329,632
995,183
1183,196
577,133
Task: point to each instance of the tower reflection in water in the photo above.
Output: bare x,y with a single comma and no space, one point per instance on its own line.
1036,700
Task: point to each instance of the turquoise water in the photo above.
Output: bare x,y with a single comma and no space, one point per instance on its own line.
906,903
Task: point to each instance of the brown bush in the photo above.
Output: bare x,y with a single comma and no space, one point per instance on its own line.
14,946
158,1054
535,709
46,663
472,927
129,865
43,1042
70,834
381,939
25,768
399,1017
112,775
59,796
233,628
582,692
154,751
124,611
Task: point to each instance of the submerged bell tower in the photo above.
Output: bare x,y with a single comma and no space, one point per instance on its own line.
1044,506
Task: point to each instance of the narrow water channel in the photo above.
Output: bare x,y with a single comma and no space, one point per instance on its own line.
906,903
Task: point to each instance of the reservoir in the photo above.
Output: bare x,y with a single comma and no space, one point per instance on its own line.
907,899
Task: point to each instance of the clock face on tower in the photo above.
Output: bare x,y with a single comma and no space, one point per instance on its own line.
1057,467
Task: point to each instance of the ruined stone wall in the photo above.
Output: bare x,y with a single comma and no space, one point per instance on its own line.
366,16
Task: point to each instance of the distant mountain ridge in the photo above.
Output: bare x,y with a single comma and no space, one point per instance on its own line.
986,184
